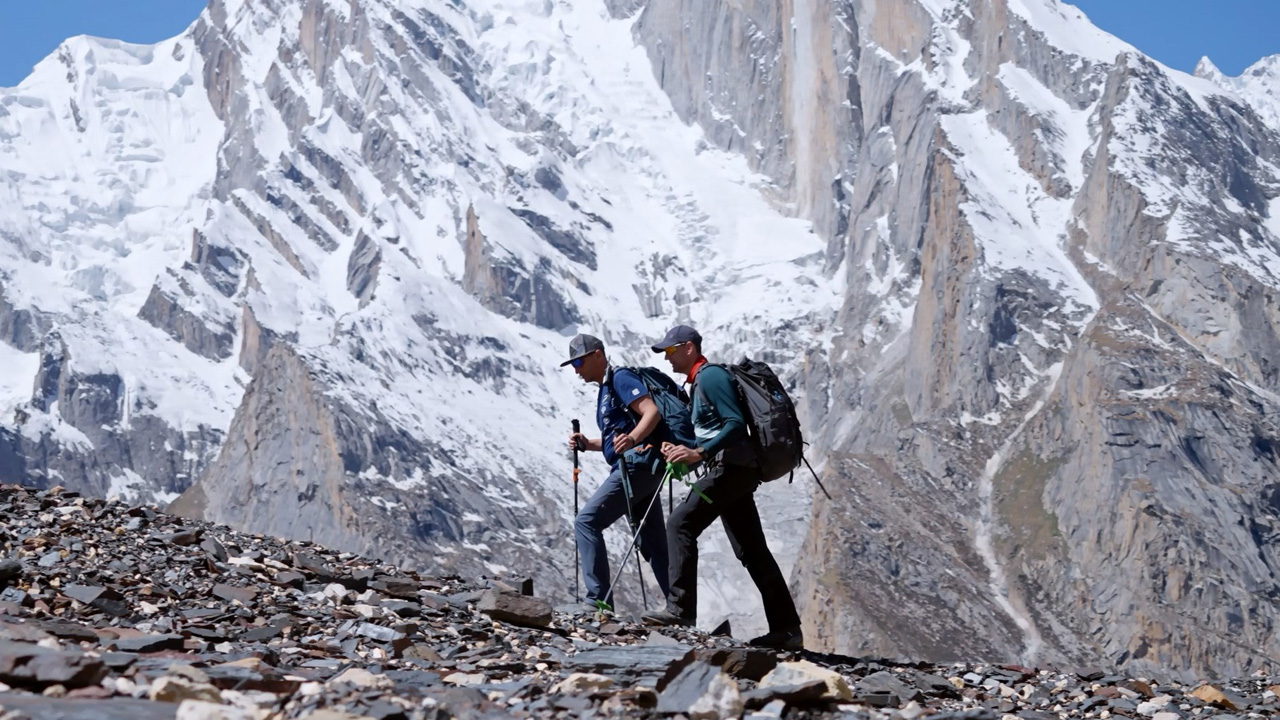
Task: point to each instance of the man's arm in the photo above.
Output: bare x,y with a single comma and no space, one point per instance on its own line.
582,442
649,414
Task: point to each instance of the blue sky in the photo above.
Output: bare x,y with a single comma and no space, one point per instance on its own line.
32,29
1234,33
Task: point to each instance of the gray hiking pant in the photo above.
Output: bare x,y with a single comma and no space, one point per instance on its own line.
607,506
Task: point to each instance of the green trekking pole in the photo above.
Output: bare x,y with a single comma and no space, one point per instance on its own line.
675,471
635,529
635,543
576,471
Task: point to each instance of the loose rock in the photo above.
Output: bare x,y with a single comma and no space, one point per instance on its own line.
701,691
803,672
290,630
582,683
177,689
515,608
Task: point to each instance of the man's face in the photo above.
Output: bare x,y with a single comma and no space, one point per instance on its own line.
590,367
681,357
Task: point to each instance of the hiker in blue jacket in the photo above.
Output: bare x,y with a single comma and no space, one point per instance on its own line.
627,417
726,490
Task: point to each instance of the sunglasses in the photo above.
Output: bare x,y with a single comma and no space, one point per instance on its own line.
672,350
577,362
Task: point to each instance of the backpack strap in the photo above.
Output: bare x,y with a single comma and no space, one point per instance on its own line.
693,384
608,378
635,416
752,439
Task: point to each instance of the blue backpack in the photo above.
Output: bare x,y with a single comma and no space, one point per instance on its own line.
672,402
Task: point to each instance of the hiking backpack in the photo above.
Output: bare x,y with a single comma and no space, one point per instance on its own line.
771,418
672,402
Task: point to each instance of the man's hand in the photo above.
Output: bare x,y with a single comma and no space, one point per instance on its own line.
680,454
623,442
578,441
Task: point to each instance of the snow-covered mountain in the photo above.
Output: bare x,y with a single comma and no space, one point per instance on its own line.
329,256
1258,85
312,265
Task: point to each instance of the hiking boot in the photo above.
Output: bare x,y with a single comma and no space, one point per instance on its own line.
665,618
790,639
586,607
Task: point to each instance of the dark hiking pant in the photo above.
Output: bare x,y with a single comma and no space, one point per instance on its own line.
607,506
731,489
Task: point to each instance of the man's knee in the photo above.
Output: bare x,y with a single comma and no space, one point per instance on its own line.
680,516
586,524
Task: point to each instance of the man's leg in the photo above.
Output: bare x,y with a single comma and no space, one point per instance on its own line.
603,509
741,520
688,521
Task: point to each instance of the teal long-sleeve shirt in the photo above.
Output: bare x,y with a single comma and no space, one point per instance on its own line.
718,422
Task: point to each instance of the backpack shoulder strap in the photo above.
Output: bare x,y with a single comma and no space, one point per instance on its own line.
695,388
625,405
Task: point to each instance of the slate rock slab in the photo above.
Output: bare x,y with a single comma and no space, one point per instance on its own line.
68,631
975,714
884,683
701,691
515,608
34,706
809,693
214,549
105,599
259,634
148,643
231,593
29,665
396,587
627,659
182,538
742,663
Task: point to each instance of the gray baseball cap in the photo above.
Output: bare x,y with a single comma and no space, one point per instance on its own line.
678,335
581,346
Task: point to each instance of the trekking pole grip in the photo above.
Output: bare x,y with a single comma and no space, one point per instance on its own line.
577,428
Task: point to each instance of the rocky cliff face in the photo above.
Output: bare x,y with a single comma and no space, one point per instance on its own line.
1047,406
1022,278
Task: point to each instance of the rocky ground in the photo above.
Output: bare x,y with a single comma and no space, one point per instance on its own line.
109,611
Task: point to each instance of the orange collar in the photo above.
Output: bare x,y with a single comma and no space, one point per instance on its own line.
697,365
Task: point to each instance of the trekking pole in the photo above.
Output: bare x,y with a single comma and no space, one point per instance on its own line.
635,543
631,520
576,471
675,471
815,477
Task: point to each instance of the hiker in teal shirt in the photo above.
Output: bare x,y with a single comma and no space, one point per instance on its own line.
726,491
